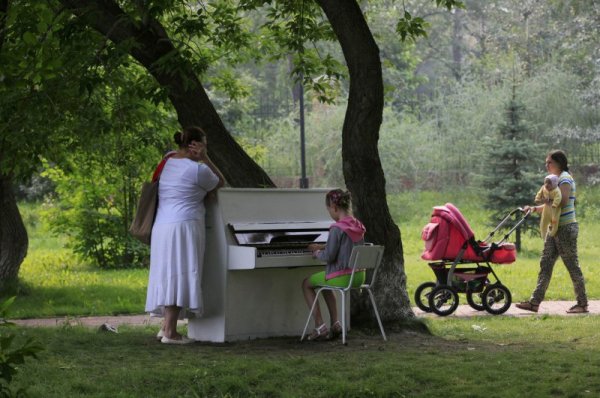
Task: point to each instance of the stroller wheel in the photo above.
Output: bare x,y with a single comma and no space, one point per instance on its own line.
443,300
496,299
422,295
475,300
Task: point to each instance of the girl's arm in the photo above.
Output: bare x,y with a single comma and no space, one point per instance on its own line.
330,252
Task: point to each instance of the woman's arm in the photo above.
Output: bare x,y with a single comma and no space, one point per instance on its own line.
199,152
565,190
206,160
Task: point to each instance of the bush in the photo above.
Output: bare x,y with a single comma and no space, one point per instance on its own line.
10,357
94,207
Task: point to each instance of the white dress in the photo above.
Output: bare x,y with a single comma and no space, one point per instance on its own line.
178,238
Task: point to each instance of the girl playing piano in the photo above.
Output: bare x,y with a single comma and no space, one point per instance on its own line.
344,234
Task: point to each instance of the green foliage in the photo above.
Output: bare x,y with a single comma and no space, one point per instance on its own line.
35,81
93,213
10,356
411,27
97,186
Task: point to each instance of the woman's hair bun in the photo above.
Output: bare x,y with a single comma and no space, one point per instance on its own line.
184,137
178,137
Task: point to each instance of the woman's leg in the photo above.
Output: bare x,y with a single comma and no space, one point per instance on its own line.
170,323
547,261
567,248
309,297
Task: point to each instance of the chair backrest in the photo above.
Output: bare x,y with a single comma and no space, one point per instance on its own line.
366,256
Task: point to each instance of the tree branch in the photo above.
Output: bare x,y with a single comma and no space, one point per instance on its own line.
150,45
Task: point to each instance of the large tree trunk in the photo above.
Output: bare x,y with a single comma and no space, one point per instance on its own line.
361,164
13,236
151,46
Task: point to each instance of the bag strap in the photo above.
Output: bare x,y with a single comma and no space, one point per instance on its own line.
161,165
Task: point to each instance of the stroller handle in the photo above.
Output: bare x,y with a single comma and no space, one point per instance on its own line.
527,212
505,220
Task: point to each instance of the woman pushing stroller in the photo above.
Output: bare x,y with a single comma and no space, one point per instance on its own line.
563,242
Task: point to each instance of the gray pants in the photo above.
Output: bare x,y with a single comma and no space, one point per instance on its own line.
564,244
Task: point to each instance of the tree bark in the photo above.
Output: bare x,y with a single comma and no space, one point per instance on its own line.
3,13
13,236
152,47
457,44
362,169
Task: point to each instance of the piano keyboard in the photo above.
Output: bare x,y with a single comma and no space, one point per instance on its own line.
283,252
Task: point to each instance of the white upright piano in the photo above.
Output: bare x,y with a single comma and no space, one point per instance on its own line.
256,258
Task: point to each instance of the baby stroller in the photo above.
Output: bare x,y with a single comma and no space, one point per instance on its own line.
463,265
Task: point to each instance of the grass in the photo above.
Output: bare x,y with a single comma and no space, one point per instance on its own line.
538,356
56,283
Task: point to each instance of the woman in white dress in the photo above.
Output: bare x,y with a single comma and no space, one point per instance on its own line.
178,235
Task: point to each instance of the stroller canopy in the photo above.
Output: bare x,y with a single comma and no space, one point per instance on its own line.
448,232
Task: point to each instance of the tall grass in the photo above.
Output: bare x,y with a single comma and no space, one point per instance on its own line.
54,282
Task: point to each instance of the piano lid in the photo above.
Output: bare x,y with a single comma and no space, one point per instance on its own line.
280,233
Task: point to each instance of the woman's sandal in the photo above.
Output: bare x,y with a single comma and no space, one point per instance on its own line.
319,333
528,306
578,309
336,330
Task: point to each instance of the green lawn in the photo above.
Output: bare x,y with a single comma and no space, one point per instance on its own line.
536,356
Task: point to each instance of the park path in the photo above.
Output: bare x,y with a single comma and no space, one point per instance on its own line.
546,308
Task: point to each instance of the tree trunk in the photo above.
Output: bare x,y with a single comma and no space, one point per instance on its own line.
457,44
361,164
13,236
152,47
3,14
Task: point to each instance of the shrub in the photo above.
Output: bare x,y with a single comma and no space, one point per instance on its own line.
10,356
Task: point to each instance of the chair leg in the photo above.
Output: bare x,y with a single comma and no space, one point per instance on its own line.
312,308
343,317
377,314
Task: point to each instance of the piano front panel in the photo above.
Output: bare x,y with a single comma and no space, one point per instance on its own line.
247,295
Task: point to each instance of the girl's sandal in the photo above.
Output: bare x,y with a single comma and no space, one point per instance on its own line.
319,333
336,330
